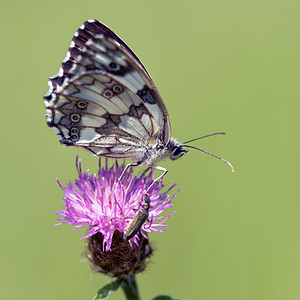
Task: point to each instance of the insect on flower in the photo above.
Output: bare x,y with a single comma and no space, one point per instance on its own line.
134,226
104,100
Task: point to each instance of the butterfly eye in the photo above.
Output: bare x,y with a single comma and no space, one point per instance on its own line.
117,89
108,94
75,118
81,104
178,152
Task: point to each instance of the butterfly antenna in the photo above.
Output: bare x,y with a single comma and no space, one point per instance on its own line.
227,162
204,136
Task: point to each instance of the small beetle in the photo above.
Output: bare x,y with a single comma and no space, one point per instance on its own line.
139,219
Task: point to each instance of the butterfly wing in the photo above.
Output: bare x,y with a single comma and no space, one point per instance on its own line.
103,99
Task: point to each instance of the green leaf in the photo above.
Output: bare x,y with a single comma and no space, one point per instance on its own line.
104,292
164,297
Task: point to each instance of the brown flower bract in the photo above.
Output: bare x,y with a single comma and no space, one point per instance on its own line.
122,259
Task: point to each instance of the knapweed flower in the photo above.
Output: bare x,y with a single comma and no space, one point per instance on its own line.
107,204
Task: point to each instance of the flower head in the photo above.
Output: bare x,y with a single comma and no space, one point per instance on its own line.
107,204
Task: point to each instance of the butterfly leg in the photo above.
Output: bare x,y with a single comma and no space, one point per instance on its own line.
164,170
144,174
126,168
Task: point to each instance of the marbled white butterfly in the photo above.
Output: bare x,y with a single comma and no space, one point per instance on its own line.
104,100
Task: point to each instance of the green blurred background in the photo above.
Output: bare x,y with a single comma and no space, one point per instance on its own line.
219,65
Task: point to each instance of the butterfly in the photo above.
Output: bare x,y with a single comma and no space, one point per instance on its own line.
104,100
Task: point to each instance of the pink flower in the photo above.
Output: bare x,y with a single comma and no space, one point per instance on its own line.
105,203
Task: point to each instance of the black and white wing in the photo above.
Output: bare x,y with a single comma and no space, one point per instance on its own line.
103,99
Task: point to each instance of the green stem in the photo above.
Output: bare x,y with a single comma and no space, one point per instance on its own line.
130,289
